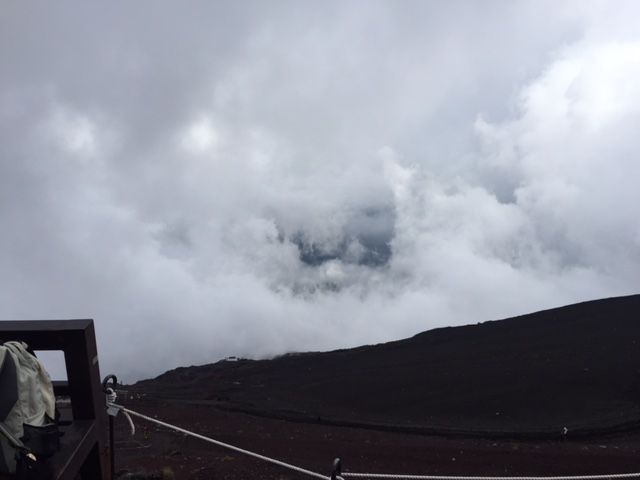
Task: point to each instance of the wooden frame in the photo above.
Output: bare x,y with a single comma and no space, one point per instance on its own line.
83,441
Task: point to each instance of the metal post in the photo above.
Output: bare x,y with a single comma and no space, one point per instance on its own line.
112,453
337,469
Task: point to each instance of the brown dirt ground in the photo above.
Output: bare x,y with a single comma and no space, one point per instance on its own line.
314,447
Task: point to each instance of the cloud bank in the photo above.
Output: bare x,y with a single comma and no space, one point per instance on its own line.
252,179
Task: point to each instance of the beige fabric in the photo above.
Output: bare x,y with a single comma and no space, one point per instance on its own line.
35,395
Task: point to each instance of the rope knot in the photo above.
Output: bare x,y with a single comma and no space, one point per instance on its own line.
111,396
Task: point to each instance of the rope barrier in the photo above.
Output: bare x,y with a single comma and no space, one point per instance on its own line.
346,475
338,474
111,399
216,442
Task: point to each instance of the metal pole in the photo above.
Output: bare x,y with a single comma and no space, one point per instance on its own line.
337,469
112,453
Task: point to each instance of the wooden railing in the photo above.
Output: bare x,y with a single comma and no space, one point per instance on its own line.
83,439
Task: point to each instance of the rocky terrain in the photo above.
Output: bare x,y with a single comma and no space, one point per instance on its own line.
486,399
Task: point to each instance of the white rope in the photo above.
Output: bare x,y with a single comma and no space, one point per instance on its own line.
216,442
444,477
112,396
345,475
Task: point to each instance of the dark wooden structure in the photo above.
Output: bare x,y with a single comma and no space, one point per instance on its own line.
83,442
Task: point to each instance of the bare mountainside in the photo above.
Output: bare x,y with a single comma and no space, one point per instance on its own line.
577,366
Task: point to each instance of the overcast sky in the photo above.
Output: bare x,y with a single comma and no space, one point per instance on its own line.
207,179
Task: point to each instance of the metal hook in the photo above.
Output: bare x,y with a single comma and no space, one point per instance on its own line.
105,382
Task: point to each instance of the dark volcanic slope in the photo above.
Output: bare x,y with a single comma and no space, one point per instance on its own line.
576,366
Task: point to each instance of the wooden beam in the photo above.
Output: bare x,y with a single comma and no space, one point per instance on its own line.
82,449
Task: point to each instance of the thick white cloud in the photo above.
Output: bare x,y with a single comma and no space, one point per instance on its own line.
570,156
251,179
